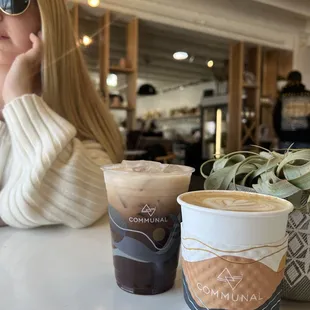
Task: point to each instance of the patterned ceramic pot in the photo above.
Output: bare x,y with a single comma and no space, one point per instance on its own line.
296,283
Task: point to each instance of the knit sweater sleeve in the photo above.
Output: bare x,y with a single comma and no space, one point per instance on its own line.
55,178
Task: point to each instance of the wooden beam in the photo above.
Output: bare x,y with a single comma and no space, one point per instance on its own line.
132,58
255,66
285,63
270,74
255,63
236,66
104,53
277,63
269,87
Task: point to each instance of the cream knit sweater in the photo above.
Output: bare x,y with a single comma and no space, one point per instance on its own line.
47,176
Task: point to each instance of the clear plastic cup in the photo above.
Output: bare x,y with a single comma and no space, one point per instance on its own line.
145,223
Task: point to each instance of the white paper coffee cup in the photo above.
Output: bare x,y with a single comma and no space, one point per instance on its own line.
233,259
238,228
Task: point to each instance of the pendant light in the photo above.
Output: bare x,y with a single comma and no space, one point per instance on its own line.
147,89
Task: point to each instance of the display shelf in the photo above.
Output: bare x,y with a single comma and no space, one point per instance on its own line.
250,86
122,108
239,133
131,56
117,69
178,118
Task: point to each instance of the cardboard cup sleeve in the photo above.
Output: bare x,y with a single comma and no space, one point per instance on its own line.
222,276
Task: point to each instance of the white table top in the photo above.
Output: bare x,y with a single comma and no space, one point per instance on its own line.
63,269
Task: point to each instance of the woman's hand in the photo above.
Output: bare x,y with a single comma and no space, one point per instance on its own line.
2,224
24,71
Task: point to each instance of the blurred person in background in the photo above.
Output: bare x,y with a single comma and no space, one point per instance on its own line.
151,129
291,116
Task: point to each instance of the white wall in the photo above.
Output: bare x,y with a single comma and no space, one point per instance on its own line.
301,60
165,102
189,97
303,64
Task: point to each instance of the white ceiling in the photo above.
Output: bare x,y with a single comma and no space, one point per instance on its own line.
272,21
157,43
299,7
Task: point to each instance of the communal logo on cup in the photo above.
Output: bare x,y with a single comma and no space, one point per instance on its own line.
226,277
149,218
148,210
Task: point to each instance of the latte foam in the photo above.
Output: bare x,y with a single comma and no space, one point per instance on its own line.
234,201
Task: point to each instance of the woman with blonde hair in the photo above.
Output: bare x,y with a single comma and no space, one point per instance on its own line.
55,132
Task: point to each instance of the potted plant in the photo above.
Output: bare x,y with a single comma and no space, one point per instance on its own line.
282,175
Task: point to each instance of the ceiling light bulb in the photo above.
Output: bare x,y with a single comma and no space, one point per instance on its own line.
192,59
87,40
180,55
210,63
112,80
93,3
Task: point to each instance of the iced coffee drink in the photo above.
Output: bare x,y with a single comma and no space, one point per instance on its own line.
145,223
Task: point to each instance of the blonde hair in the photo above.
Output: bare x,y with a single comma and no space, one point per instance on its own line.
67,87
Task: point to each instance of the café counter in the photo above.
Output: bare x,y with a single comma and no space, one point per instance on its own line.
57,268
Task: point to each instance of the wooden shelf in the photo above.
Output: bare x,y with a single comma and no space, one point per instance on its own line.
116,69
250,86
238,133
106,67
248,132
122,108
175,118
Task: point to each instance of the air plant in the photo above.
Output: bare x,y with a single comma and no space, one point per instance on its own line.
267,172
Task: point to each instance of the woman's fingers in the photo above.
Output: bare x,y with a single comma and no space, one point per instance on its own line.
35,53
